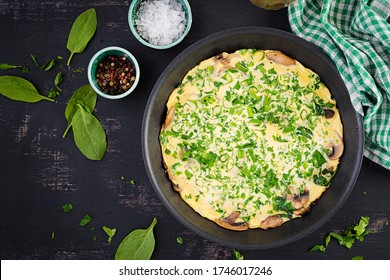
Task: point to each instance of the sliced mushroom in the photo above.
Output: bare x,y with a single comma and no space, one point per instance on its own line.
303,210
176,187
329,113
298,200
229,222
280,58
169,118
335,147
224,61
271,222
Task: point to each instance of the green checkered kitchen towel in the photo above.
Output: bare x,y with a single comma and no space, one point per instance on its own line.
356,36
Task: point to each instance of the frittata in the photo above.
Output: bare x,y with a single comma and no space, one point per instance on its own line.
251,139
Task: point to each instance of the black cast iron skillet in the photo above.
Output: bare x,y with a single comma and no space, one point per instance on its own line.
311,57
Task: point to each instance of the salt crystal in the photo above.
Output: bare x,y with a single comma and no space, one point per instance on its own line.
160,22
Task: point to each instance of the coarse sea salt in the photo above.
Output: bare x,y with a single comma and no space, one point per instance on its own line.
160,22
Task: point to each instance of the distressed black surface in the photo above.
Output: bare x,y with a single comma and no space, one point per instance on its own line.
40,171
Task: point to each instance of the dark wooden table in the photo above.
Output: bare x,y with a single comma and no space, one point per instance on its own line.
40,171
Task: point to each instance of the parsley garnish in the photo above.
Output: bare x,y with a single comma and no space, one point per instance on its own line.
237,255
348,237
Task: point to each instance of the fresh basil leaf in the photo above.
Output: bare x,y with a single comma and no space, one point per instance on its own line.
20,89
86,96
67,207
237,255
87,218
89,134
138,245
83,29
110,232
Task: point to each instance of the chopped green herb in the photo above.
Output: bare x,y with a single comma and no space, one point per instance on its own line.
77,70
132,182
6,66
67,207
87,218
52,235
348,237
110,232
357,258
180,240
47,66
237,255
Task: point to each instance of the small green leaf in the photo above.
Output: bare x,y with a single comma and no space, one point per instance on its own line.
361,227
237,255
138,245
132,182
358,258
67,207
110,232
344,240
179,240
320,248
20,89
83,29
87,218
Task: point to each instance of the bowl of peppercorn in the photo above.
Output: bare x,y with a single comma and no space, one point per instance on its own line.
113,72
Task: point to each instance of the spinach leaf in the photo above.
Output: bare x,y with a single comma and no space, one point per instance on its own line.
110,232
6,66
89,134
82,31
138,245
20,89
85,96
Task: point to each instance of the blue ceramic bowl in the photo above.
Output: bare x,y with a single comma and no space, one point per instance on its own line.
99,56
132,16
